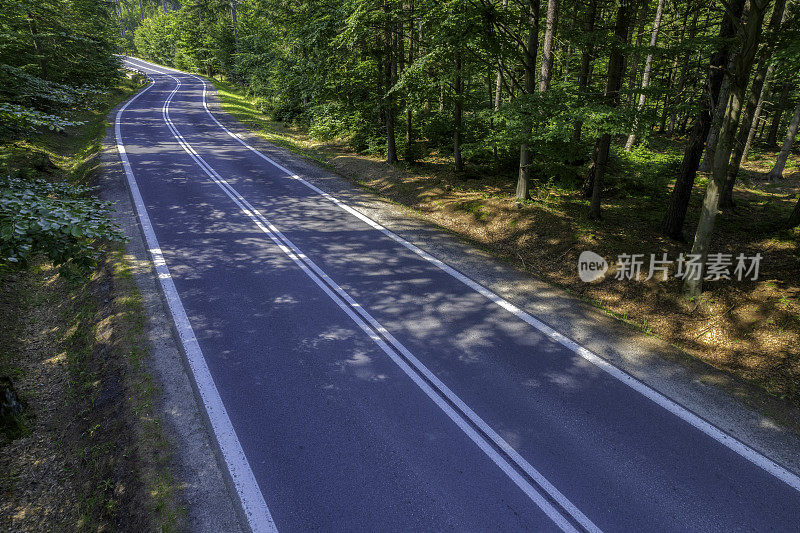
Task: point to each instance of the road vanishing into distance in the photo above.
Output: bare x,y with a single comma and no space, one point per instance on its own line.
354,382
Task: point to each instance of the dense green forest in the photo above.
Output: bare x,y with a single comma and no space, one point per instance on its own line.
543,90
56,61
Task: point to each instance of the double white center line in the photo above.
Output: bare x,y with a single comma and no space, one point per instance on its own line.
552,502
539,490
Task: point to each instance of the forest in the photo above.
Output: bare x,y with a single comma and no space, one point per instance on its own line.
553,90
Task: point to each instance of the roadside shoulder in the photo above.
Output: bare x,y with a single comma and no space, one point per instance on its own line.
208,501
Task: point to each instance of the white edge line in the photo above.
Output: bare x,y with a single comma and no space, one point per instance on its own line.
673,407
415,369
255,508
670,405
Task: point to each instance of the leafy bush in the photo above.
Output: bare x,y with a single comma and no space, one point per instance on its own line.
56,219
17,118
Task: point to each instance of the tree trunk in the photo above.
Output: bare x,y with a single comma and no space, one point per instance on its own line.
633,75
391,145
616,65
648,67
794,218
760,135
566,55
498,91
739,76
673,120
458,114
409,113
120,17
777,171
751,136
549,45
523,182
681,194
235,23
716,124
586,61
783,101
744,133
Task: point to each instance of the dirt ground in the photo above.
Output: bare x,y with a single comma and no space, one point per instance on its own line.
90,455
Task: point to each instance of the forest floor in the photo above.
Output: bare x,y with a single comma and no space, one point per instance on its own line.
748,328
88,452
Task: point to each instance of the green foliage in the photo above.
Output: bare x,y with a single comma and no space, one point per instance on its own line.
57,219
55,56
644,170
155,37
16,118
324,65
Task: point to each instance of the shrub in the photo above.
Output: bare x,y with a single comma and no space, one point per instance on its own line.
56,219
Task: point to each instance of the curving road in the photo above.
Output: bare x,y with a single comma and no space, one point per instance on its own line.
354,382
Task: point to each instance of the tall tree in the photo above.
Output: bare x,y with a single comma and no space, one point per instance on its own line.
633,68
458,112
738,77
586,60
412,43
234,21
616,66
685,66
529,65
389,69
648,66
681,193
777,116
548,50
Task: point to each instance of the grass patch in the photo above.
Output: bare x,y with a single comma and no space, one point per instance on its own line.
236,103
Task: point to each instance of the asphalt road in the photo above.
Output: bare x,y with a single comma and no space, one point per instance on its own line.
355,383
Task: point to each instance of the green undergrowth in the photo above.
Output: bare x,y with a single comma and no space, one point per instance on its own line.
236,103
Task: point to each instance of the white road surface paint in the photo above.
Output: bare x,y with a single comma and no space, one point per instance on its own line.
252,501
350,306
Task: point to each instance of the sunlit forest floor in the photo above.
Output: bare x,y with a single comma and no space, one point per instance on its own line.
750,329
87,452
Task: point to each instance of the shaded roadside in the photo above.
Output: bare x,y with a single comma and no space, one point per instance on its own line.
88,451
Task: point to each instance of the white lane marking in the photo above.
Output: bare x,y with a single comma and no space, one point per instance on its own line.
252,501
410,365
670,405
